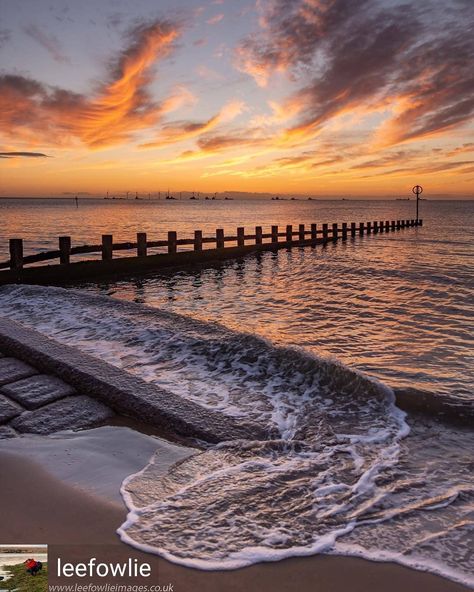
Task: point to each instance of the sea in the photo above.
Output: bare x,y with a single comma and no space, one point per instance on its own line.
308,342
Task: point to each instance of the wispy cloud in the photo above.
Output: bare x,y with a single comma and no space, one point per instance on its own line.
121,107
411,59
462,167
49,42
215,19
183,130
23,155
5,36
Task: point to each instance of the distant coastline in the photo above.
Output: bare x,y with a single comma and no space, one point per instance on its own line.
240,198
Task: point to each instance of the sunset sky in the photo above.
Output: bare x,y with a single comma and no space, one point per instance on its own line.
317,97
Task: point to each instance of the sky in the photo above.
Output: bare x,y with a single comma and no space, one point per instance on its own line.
359,98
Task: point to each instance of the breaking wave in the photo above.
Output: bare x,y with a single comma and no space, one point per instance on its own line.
347,473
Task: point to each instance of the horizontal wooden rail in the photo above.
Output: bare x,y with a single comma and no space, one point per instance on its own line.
293,236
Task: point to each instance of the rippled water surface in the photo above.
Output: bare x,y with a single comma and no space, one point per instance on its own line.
280,339
399,306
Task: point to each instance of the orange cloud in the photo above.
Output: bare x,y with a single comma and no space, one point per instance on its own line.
33,112
179,131
363,54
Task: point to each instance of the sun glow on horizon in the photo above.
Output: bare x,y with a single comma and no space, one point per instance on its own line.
262,97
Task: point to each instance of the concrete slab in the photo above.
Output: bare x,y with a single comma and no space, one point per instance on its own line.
6,433
36,391
126,394
66,414
12,370
8,410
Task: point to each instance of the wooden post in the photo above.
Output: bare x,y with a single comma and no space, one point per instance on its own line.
393,225
413,222
172,238
198,240
353,229
240,236
381,225
369,227
420,222
334,231
301,232
16,254
289,233
344,231
107,249
361,228
220,238
325,233
314,232
141,244
274,234
64,250
387,225
398,224
258,235
403,223
376,227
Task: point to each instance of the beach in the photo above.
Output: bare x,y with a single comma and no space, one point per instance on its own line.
67,516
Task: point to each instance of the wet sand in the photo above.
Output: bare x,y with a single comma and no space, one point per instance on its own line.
37,507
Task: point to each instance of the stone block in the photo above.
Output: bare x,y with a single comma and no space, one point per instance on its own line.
8,410
36,391
66,414
12,370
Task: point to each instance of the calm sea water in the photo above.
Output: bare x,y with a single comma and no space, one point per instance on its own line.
398,305
349,473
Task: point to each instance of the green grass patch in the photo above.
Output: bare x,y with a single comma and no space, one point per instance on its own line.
21,580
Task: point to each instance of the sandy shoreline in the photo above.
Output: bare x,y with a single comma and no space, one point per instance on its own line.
40,508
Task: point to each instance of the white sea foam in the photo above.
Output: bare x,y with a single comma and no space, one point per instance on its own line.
348,474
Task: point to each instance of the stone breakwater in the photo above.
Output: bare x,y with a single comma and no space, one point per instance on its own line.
46,387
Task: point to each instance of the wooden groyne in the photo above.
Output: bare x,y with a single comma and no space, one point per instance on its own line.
175,252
